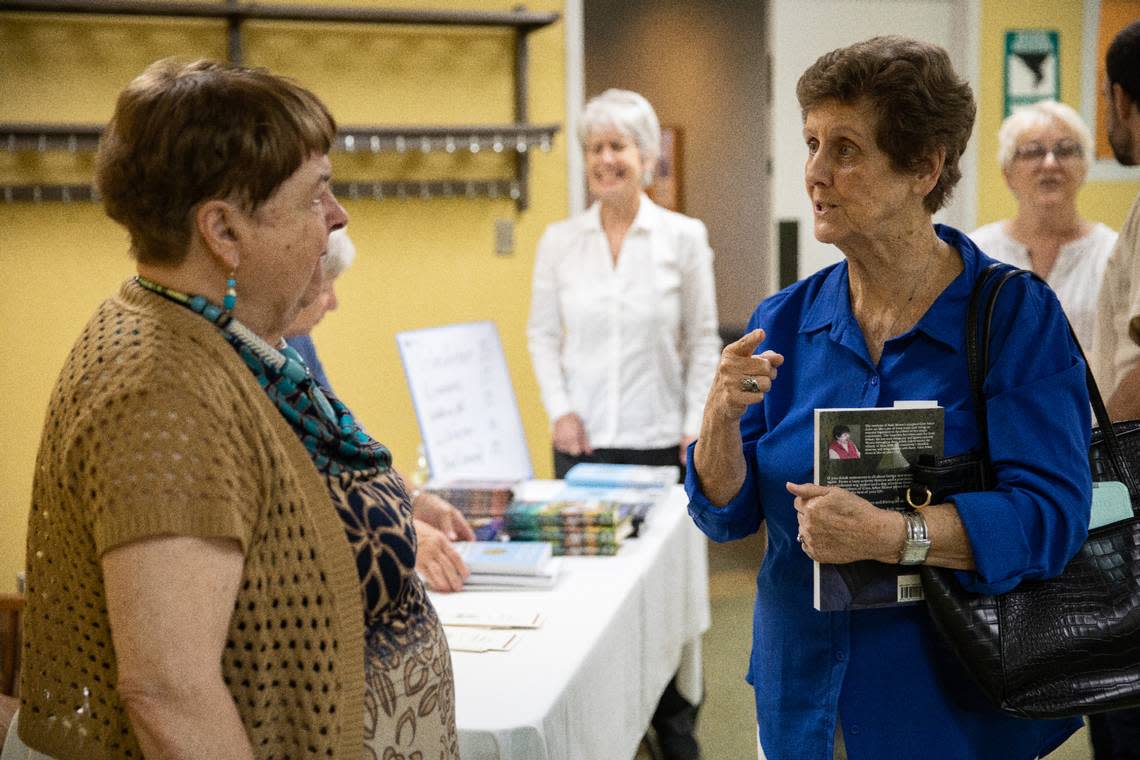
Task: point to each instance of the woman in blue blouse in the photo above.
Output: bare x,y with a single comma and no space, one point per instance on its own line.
885,122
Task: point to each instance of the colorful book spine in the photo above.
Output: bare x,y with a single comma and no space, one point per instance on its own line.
607,550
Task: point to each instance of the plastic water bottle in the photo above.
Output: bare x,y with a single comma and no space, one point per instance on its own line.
421,474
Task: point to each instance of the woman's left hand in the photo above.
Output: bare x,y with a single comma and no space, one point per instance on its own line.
437,561
837,526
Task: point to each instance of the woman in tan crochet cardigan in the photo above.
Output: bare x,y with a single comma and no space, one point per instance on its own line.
191,591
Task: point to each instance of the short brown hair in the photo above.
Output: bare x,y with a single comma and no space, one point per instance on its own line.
184,133
920,102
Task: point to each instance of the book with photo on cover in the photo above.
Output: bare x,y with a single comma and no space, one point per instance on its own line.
869,452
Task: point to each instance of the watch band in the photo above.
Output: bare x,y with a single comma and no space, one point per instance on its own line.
917,544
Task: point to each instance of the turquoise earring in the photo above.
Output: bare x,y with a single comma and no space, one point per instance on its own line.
231,293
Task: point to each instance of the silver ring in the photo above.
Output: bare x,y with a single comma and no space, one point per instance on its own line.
748,384
799,539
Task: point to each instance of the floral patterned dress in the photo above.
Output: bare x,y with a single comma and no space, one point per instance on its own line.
409,698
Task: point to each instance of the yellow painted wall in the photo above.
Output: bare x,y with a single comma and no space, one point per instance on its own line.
1106,202
419,263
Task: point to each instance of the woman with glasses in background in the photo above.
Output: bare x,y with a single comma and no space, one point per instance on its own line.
1044,150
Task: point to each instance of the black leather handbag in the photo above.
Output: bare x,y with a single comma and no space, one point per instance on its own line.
1052,648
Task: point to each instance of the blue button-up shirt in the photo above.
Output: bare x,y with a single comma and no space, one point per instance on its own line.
898,690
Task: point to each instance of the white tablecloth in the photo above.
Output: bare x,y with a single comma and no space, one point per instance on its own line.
584,685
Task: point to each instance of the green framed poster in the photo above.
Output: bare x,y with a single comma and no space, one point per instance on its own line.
1032,67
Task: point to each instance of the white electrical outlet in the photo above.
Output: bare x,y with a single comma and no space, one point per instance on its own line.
504,237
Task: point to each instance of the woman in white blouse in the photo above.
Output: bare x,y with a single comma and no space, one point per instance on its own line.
623,324
1044,151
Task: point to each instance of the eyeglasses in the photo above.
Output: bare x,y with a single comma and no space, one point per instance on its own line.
1034,152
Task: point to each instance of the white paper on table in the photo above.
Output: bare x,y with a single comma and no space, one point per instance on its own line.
461,639
484,618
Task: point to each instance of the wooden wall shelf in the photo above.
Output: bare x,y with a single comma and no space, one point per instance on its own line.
518,138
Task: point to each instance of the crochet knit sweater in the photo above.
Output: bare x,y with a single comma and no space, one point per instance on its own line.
156,427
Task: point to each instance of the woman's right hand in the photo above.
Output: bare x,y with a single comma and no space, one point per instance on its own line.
742,378
570,436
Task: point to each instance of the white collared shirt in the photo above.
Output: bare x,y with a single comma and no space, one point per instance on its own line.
632,347
1076,275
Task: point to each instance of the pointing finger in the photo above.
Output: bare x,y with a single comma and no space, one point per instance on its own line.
747,344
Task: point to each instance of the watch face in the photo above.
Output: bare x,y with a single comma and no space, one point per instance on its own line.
915,551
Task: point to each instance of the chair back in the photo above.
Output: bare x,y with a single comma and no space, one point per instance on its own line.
11,616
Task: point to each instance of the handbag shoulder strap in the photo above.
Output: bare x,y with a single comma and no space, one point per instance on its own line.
983,300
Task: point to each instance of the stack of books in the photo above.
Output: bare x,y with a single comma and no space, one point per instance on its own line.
653,481
576,520
483,502
497,565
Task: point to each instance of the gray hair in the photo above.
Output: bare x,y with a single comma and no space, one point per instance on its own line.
631,114
1039,114
340,254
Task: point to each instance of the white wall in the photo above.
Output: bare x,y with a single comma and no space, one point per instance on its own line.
803,30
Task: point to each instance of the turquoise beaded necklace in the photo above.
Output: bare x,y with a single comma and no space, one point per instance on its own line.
325,426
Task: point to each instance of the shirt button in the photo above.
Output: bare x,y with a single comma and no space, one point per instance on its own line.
840,656
874,380
854,730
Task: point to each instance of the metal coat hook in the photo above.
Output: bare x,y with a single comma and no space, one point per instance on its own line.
544,145
350,143
497,145
72,143
374,143
475,146
41,144
449,145
425,144
521,145
401,191
377,191
401,144
65,194
516,191
425,190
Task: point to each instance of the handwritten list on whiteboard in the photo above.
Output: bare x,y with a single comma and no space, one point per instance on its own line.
465,403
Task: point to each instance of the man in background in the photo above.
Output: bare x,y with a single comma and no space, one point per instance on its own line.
1116,355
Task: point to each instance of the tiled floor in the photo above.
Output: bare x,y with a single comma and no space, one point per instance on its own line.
727,727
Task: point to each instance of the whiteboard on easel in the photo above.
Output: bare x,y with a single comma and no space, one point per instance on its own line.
465,402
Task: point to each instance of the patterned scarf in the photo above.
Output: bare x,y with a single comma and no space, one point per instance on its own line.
333,437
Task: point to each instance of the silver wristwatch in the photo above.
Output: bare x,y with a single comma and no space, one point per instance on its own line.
917,539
